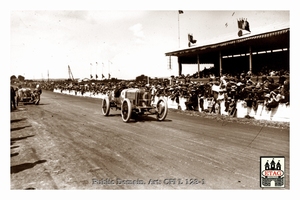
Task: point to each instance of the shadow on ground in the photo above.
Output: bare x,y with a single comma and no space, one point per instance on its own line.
18,168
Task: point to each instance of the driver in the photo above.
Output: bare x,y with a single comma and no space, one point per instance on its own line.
119,89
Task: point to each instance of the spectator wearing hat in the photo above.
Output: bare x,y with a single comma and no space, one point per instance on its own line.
171,93
232,107
201,95
258,91
187,78
230,97
249,73
153,92
263,78
183,91
232,92
273,100
242,78
271,84
249,81
258,96
159,90
281,79
254,100
192,101
285,92
216,107
210,104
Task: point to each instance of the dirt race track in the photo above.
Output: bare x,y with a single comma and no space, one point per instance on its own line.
66,143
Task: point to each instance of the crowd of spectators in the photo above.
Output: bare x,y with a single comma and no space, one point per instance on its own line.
267,89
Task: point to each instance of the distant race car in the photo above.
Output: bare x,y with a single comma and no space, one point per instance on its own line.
27,96
134,102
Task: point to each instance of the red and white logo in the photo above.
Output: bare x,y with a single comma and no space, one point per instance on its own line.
272,171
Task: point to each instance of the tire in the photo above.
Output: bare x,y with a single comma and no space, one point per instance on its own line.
126,110
162,109
105,106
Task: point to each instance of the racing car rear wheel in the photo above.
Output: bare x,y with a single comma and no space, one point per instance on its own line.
126,110
162,109
105,106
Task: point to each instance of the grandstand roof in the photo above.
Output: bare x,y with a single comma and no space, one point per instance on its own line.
265,38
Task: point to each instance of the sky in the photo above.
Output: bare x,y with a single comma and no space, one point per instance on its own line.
123,43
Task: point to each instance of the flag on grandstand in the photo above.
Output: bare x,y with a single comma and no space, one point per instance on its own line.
96,76
103,76
180,12
191,39
108,75
91,76
243,24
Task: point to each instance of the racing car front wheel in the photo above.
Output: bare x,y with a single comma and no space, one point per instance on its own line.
162,109
126,110
105,106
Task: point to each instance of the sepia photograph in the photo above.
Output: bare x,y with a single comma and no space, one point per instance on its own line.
138,99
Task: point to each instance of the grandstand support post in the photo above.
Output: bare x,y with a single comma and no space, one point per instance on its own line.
220,63
250,59
198,62
179,67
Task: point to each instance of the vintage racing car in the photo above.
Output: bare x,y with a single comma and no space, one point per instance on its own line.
134,102
27,96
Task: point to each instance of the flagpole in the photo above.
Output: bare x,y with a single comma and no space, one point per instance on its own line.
178,31
96,70
102,70
108,70
179,13
91,70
